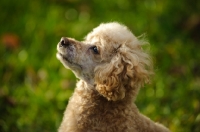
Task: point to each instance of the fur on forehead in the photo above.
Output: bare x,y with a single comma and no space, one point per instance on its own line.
115,32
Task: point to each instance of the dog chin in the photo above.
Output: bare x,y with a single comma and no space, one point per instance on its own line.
67,63
59,56
63,59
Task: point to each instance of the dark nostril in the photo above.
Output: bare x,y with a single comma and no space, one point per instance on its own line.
64,42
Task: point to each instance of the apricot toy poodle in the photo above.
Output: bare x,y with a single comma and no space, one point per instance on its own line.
111,66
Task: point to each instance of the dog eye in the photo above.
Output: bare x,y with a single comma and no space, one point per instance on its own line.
95,50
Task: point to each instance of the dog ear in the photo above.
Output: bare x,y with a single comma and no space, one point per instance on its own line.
108,79
128,70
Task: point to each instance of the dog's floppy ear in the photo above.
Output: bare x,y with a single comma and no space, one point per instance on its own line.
128,69
108,79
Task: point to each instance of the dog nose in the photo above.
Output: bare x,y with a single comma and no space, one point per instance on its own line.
64,42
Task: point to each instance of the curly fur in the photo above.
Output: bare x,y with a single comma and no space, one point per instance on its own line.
103,100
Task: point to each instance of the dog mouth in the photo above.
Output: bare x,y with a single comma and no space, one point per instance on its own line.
64,57
69,61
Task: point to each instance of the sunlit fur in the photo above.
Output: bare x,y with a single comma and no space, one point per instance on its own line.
104,100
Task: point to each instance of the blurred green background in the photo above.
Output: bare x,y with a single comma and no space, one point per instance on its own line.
35,87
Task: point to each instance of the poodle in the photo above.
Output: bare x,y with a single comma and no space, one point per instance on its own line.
112,67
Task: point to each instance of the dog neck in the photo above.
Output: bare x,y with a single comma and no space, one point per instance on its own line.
88,89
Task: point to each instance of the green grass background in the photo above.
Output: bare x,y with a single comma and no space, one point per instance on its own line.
35,87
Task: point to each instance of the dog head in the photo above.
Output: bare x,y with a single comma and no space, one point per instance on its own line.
111,58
